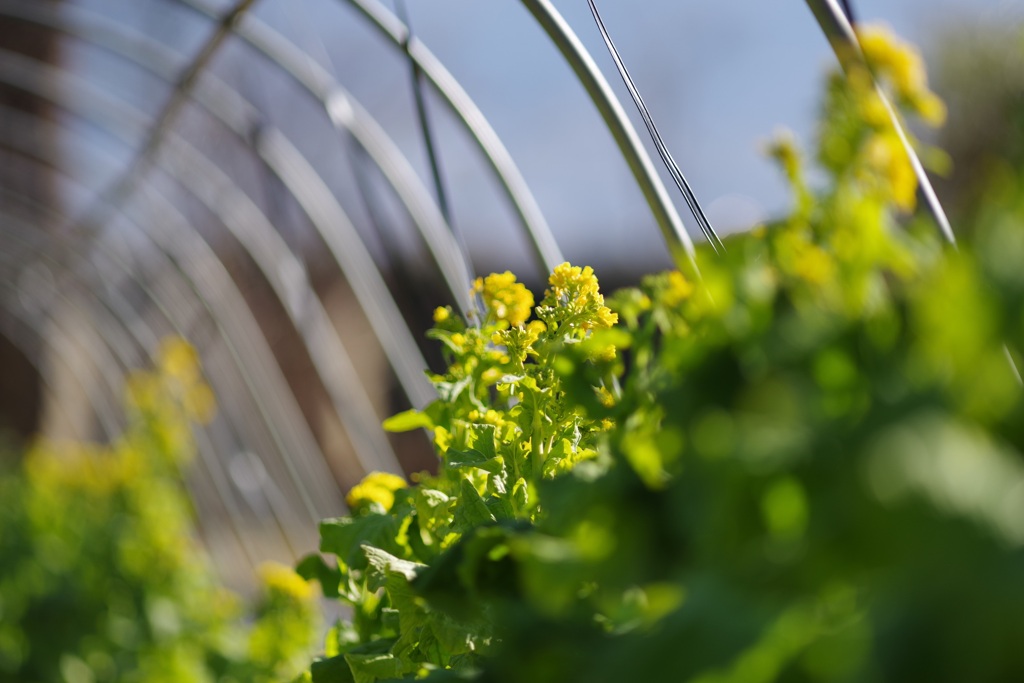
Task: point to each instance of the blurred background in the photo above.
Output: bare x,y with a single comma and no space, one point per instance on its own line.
253,177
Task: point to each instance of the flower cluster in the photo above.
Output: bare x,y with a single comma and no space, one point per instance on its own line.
858,139
506,301
898,62
376,489
573,296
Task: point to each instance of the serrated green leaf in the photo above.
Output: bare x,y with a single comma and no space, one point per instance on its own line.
454,637
471,510
343,537
407,421
431,508
473,458
384,563
501,508
483,438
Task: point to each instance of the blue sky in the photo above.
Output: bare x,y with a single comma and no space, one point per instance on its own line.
720,76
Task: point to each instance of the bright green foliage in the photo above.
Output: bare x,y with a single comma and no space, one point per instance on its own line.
100,577
501,425
803,463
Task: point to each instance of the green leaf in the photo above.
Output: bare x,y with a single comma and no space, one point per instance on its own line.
385,563
448,392
332,670
483,439
408,421
343,537
520,496
370,668
501,507
471,510
474,458
431,507
313,568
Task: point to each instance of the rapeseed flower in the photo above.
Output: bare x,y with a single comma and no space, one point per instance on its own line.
505,299
575,290
375,488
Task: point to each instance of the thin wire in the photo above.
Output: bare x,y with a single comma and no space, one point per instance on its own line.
659,143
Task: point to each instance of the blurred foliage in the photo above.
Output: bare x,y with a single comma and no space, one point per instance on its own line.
981,75
803,463
101,578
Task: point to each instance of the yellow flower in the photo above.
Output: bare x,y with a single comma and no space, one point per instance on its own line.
605,397
901,64
179,360
930,108
885,155
505,299
376,487
815,266
442,313
200,404
519,341
568,281
577,289
679,289
283,580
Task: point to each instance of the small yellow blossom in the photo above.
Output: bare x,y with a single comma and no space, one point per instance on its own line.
519,341
504,298
577,288
442,313
873,110
884,154
376,487
570,282
200,404
902,65
605,397
489,417
814,265
930,108
283,580
679,289
179,360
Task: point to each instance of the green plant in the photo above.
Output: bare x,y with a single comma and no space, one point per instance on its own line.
100,576
802,463
501,425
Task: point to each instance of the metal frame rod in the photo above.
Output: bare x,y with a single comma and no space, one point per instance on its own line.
267,386
204,443
284,271
242,118
207,450
545,248
117,192
608,105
